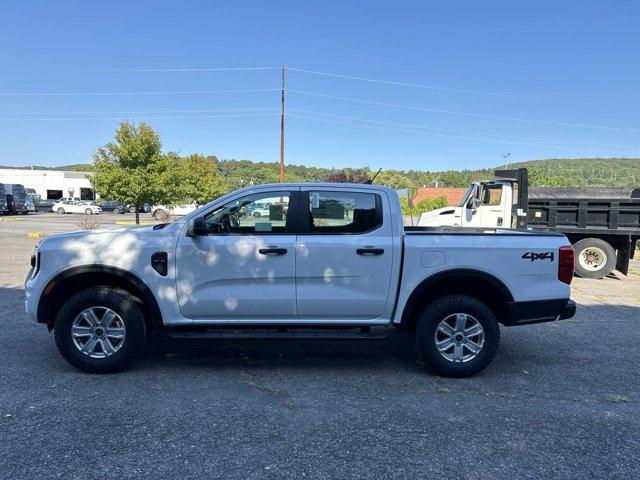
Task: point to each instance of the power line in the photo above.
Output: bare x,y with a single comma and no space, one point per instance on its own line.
142,117
455,130
128,112
453,112
159,70
401,84
438,134
88,94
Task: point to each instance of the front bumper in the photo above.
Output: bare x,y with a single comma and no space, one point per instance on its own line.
539,311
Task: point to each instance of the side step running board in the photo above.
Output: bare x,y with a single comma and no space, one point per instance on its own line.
283,333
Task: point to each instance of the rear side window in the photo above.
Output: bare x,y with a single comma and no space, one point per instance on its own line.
344,212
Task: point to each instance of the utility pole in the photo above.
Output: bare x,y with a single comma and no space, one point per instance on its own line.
282,129
505,156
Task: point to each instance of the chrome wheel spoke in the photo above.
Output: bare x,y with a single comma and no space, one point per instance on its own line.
473,347
108,318
79,331
89,346
446,329
461,321
474,330
457,353
107,348
116,333
445,344
90,316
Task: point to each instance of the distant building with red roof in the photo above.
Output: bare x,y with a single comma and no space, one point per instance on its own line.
454,195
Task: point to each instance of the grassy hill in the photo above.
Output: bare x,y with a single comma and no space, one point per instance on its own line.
607,172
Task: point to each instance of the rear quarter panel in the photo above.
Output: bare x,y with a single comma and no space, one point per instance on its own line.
505,256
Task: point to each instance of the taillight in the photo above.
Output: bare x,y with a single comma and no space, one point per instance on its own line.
566,264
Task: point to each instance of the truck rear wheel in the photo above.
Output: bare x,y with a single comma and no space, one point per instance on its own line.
100,330
457,336
595,258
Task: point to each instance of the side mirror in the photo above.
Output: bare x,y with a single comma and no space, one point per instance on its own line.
197,228
474,203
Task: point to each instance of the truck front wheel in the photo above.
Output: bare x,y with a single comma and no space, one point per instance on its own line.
100,330
595,258
457,336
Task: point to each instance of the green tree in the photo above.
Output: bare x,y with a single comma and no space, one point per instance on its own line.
194,179
131,169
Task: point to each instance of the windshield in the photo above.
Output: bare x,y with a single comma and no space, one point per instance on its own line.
465,197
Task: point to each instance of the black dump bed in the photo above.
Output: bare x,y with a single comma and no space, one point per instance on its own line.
585,213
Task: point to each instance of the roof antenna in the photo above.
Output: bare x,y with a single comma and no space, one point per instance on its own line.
369,182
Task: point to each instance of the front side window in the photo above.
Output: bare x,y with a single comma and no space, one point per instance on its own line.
344,212
261,213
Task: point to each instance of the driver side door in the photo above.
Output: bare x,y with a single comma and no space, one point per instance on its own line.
244,268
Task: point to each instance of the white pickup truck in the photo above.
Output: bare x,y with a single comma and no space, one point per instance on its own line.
328,261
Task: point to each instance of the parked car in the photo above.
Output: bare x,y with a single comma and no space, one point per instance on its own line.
258,210
44,205
158,211
340,257
75,206
113,206
4,206
28,203
145,208
16,198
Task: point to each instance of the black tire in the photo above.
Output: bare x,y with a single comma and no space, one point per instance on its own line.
589,251
257,214
88,211
132,209
159,214
120,302
429,321
60,211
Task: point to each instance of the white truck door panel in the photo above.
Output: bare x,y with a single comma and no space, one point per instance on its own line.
244,269
344,261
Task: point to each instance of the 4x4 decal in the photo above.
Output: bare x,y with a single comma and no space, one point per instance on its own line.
533,256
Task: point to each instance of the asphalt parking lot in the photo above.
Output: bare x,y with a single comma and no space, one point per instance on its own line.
561,400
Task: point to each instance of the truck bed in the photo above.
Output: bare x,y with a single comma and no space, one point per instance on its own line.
610,215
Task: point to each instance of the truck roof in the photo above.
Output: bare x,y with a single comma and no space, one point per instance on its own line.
349,186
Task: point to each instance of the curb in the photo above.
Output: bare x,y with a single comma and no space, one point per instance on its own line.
12,219
37,234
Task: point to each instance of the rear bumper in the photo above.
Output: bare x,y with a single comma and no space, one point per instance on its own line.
525,313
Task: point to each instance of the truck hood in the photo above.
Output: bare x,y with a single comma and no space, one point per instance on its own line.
439,217
118,247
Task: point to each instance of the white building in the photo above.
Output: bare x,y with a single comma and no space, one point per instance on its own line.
51,184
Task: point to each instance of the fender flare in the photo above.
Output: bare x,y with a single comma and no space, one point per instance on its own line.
469,273
141,289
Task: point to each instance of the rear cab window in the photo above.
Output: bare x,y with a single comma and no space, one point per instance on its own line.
341,212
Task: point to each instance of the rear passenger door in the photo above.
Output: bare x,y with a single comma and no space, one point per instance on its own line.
344,255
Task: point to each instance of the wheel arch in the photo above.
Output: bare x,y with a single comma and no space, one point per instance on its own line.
461,281
65,284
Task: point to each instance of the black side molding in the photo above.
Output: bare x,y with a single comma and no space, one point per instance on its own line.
525,313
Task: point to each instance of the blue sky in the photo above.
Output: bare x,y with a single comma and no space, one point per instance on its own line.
564,67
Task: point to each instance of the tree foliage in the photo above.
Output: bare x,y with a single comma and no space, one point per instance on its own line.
133,170
348,175
424,205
